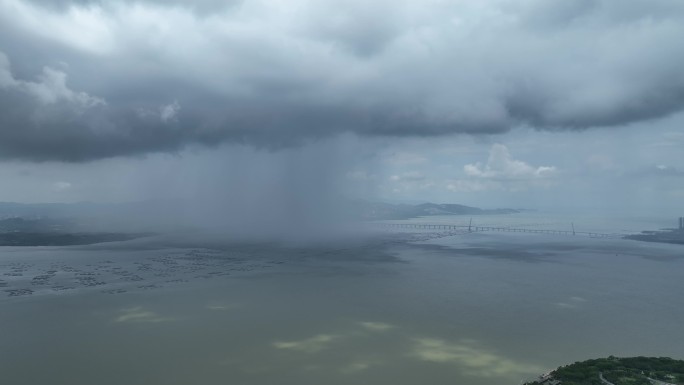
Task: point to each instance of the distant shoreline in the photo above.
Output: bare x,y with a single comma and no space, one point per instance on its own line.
64,239
672,236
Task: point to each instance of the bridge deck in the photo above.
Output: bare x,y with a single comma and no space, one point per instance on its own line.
473,229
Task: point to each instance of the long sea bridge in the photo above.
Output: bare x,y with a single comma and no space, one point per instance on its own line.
474,229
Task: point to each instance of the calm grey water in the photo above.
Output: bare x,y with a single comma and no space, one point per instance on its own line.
482,308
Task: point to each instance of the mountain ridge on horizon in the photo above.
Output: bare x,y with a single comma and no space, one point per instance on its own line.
363,209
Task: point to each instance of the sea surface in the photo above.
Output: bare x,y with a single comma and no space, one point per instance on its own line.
392,307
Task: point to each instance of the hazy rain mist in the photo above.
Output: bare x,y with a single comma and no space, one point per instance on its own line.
339,192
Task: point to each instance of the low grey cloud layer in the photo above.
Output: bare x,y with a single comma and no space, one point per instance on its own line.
85,80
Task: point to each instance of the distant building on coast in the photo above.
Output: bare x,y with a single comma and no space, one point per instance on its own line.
681,223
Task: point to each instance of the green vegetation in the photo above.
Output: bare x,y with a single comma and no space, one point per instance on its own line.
618,371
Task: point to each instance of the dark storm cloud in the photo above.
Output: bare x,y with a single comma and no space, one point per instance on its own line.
134,77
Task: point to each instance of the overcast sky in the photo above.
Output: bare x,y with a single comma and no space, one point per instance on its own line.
498,103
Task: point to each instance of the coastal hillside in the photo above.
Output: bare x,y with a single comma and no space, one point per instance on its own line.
617,371
378,210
